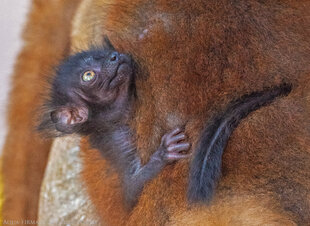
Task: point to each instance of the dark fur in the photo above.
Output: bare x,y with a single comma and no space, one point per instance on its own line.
101,110
207,163
58,93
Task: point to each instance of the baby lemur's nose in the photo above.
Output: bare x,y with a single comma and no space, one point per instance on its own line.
114,57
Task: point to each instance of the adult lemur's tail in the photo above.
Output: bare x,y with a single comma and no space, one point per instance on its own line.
206,165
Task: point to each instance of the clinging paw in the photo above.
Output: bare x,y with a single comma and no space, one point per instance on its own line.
174,145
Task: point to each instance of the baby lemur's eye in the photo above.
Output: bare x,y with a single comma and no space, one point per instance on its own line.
88,76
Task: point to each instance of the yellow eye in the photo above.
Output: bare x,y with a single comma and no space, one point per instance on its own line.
88,75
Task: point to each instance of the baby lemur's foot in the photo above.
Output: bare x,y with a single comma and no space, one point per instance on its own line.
173,145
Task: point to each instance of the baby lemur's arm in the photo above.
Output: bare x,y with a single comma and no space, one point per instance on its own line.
125,158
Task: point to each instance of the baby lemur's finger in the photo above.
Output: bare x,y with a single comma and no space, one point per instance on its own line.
175,139
174,132
176,156
178,147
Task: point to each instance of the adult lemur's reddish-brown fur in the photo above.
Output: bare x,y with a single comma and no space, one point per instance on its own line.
46,41
212,52
195,58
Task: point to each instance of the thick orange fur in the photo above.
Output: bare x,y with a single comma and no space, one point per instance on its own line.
196,57
46,41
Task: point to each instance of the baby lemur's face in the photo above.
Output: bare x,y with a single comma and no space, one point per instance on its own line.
95,76
88,81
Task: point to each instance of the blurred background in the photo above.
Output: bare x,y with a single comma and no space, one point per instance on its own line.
12,18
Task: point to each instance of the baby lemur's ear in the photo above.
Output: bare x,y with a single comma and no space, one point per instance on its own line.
68,118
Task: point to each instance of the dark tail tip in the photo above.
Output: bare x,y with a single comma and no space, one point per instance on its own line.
285,89
206,166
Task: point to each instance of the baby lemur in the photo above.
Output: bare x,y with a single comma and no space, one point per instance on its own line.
93,93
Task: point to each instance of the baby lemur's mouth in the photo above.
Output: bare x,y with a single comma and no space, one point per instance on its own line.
123,70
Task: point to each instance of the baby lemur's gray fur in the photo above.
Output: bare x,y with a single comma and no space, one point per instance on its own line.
93,93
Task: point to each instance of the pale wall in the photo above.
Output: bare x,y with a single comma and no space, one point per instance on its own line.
12,18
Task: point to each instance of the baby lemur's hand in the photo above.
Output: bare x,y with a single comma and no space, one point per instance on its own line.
173,145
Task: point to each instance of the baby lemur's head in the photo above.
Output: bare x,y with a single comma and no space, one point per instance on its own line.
86,84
